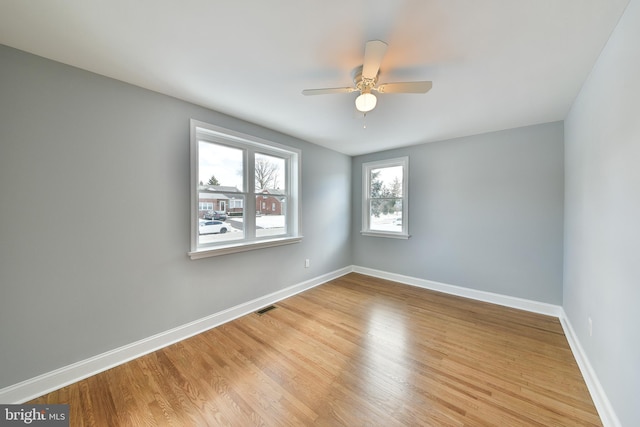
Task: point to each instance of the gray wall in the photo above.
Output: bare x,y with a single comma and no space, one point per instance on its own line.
485,212
602,227
94,218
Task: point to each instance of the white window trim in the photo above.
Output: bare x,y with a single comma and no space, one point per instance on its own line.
228,137
366,216
242,247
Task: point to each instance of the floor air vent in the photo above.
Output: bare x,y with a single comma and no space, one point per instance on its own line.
264,310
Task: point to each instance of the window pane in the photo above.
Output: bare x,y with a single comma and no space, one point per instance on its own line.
386,182
270,214
218,225
386,215
220,166
269,173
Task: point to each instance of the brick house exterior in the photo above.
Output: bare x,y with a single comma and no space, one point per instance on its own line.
218,198
270,202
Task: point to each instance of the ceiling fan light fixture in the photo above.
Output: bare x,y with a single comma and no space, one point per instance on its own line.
365,80
366,102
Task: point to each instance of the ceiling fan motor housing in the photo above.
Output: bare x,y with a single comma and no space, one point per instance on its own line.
363,84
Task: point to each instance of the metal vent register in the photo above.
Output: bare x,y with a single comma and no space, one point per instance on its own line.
264,310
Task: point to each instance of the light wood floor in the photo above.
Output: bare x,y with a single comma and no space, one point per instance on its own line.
357,351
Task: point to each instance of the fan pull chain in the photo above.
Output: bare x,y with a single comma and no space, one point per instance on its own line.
364,121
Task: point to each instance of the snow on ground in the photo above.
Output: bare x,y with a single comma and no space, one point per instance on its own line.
390,222
270,221
264,221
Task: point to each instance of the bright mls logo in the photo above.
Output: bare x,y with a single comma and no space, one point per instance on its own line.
34,415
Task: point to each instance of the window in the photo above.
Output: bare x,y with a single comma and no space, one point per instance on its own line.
385,198
238,174
205,206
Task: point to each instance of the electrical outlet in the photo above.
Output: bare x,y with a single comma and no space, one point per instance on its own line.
590,327
307,263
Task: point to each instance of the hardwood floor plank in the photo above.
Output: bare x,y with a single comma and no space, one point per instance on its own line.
355,351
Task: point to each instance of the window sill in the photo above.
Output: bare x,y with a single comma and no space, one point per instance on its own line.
385,234
242,247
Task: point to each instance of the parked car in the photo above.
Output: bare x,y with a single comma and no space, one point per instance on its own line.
211,227
221,215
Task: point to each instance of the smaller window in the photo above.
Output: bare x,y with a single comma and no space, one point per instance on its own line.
385,204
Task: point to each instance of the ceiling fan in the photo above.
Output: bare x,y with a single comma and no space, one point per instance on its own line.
365,79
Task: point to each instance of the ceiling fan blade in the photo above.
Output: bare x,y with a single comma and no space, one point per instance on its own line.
406,87
328,91
373,53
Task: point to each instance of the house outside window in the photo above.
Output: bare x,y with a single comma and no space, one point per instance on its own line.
231,172
385,198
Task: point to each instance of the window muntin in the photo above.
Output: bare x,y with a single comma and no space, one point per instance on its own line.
384,211
239,174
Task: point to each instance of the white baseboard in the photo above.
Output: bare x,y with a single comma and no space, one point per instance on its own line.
600,399
505,300
50,381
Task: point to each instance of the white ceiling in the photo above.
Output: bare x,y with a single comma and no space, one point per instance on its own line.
495,64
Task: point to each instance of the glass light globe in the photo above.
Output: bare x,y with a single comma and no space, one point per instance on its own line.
366,102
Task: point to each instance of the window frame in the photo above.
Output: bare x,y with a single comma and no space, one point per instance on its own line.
201,131
367,167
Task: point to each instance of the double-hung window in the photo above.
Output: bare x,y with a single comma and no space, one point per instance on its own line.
385,204
252,187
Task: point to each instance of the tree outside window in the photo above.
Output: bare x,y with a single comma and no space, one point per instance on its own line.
385,198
